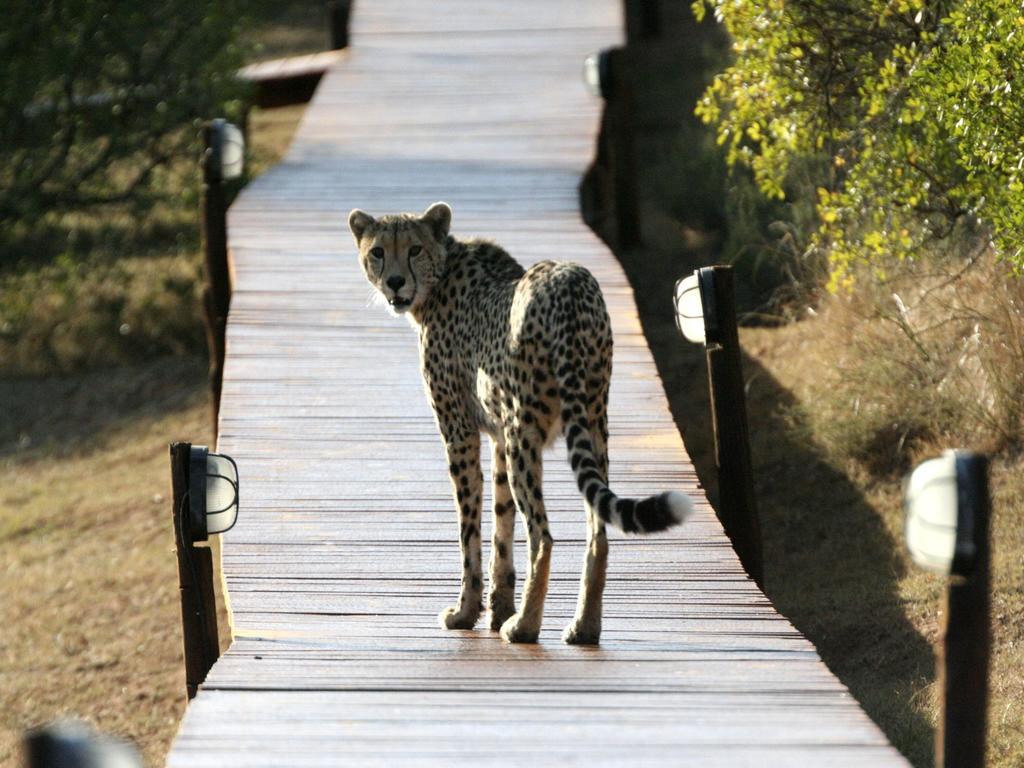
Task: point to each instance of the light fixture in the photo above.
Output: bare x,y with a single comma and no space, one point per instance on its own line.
212,493
939,503
597,74
696,317
226,150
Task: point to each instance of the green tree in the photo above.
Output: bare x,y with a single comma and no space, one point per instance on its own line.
911,103
97,94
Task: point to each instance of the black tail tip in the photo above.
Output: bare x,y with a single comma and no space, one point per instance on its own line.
664,511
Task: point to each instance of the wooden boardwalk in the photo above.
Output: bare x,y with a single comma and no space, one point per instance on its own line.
347,544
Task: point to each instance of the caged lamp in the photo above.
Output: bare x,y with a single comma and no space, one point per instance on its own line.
204,489
705,309
223,159
212,493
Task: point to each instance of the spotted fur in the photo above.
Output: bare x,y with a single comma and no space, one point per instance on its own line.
522,355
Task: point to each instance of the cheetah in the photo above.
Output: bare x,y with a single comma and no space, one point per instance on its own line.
523,355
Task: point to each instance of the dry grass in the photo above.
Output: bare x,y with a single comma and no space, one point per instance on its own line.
870,386
931,353
90,608
89,600
110,287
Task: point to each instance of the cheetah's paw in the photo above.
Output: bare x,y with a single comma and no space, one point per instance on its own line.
455,617
582,633
517,630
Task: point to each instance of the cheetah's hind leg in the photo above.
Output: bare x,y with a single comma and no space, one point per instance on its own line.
585,628
525,477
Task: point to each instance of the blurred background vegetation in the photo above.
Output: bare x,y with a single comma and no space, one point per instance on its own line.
99,139
858,163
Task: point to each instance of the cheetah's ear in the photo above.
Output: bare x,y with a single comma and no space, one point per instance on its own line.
439,218
358,221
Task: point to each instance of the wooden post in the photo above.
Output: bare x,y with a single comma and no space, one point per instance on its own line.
643,20
217,293
737,504
195,580
963,657
338,12
621,156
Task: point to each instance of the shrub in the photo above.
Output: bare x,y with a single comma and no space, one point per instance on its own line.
911,105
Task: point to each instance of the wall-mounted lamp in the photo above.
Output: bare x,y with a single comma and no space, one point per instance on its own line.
609,74
946,501
223,159
212,493
74,744
940,524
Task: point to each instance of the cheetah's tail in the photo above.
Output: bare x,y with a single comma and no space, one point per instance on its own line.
650,515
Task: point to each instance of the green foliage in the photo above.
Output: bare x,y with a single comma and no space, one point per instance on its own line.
98,95
911,105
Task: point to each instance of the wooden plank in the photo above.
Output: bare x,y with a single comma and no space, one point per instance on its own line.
346,547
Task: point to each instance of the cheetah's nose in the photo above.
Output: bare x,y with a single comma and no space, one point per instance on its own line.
395,282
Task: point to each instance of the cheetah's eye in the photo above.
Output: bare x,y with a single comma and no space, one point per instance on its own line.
377,252
415,250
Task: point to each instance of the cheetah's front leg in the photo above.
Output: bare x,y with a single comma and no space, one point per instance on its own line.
467,483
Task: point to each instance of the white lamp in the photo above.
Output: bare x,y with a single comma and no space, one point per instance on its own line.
940,513
213,492
227,150
695,306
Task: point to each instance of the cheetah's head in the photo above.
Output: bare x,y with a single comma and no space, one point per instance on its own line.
402,255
